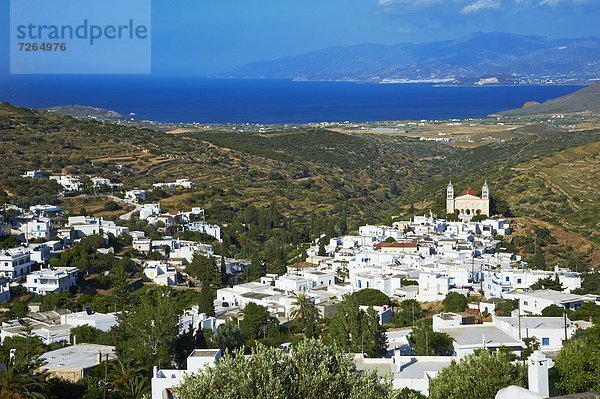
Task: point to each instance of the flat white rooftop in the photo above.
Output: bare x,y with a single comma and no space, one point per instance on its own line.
552,295
536,322
419,366
77,356
475,335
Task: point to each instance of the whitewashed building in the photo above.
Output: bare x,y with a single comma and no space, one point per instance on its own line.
135,195
161,273
15,263
47,281
149,210
536,301
4,290
101,321
36,229
164,380
69,183
83,226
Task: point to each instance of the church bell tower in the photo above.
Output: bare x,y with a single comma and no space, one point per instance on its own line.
450,198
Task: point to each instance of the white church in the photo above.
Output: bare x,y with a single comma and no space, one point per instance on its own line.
468,203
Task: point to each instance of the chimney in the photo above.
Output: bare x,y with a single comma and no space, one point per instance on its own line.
74,340
538,366
99,357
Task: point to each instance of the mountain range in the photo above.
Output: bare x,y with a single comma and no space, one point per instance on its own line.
480,58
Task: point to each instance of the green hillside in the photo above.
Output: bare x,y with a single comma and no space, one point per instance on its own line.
586,100
296,184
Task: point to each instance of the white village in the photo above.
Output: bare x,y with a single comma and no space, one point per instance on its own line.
424,260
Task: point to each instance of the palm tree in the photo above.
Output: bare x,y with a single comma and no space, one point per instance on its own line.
19,382
129,380
306,312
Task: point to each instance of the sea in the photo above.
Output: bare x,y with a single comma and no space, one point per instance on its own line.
222,101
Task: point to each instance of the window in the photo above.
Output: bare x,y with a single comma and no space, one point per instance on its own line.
545,341
518,281
507,278
525,303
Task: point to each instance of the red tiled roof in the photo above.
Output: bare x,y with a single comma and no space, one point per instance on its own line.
470,192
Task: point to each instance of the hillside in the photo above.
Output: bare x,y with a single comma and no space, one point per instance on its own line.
315,179
507,57
586,100
303,170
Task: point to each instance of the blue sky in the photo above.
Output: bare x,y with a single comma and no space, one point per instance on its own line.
200,37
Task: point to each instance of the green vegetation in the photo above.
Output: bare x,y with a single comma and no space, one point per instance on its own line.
227,337
407,313
371,297
275,191
466,376
306,313
355,330
577,366
312,370
548,283
426,342
455,302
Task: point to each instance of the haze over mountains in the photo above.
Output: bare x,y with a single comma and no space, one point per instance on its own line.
480,58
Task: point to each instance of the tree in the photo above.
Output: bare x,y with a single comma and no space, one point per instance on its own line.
477,376
454,302
548,283
89,334
146,334
204,269
426,342
27,348
407,393
506,307
357,331
577,365
227,337
590,284
128,379
532,344
20,382
408,313
256,321
371,297
312,370
553,311
111,206
120,277
539,260
586,312
206,300
305,311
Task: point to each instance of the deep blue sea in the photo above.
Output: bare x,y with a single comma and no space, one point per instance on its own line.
268,101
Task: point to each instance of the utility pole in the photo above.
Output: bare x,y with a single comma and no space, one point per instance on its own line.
105,375
565,322
519,317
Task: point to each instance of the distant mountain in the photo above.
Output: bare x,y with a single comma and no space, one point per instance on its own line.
584,100
481,58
